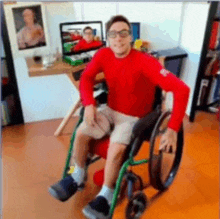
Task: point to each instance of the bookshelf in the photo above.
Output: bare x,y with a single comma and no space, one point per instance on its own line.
11,111
7,101
208,76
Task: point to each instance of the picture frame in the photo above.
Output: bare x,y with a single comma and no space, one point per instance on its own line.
27,28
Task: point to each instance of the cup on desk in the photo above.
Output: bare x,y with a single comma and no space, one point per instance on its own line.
45,61
37,57
48,60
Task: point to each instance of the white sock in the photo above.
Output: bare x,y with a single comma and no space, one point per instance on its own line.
107,193
78,174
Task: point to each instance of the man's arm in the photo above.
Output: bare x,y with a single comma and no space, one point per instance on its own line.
96,44
78,46
87,79
168,82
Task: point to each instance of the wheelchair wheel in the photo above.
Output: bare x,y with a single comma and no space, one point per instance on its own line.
136,206
163,166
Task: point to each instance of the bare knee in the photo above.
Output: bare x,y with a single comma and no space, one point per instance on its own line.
81,136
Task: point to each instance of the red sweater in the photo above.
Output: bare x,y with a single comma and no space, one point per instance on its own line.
131,82
83,45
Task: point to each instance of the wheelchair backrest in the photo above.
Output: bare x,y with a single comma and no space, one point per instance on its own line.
158,98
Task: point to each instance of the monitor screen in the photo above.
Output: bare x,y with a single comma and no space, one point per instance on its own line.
135,30
80,40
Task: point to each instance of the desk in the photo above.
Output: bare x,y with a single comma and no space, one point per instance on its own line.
60,67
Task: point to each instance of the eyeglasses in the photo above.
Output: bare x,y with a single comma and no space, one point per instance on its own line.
87,33
122,33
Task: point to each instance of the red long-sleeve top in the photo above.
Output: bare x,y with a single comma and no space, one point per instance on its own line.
83,45
131,82
75,37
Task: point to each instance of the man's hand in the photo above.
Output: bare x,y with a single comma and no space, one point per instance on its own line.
90,115
169,141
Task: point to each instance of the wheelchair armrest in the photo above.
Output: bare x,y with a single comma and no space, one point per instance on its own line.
101,86
142,130
102,98
144,125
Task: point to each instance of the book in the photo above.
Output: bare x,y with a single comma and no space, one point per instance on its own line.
202,92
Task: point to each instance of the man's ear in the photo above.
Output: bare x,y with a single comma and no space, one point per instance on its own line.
131,38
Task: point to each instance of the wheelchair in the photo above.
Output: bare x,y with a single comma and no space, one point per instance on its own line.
147,129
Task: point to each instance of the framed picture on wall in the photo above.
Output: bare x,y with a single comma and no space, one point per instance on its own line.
27,28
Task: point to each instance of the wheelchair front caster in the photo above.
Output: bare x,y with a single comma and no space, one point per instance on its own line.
136,206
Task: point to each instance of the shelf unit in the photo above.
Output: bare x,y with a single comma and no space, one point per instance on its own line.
212,58
205,78
10,93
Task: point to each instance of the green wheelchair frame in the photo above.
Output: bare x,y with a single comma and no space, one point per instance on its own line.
146,129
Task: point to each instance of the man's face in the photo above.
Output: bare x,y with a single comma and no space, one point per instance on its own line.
121,44
88,35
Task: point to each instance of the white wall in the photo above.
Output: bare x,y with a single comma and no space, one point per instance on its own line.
192,37
160,21
58,13
99,11
49,97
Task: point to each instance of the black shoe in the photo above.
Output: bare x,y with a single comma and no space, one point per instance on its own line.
64,189
97,208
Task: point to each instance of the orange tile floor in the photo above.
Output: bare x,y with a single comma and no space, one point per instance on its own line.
33,159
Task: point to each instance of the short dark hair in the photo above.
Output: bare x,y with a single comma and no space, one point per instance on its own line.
87,28
117,18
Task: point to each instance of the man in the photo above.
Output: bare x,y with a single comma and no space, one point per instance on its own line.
32,34
131,77
88,41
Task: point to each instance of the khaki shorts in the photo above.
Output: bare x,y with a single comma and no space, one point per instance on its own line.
110,122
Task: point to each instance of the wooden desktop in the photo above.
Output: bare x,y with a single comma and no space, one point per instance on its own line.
56,68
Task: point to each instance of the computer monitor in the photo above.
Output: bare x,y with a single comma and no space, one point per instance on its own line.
80,40
135,30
